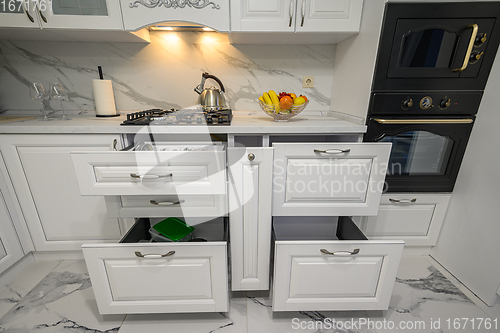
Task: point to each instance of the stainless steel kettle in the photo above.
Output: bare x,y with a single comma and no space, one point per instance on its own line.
211,98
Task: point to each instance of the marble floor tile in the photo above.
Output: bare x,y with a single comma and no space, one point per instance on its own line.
62,302
261,318
22,284
234,321
423,300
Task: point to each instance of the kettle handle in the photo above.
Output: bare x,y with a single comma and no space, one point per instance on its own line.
210,76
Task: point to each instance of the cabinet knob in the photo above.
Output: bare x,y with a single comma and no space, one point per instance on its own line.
251,156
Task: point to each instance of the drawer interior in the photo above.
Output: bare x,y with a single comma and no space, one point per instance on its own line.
212,231
315,228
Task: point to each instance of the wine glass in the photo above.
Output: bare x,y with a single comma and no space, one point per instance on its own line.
37,92
59,94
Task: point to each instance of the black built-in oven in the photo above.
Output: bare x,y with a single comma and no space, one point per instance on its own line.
432,66
426,151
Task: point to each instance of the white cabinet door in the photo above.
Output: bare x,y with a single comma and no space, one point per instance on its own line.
415,218
296,15
87,15
263,15
328,15
13,14
138,14
10,247
250,194
58,217
164,277
319,179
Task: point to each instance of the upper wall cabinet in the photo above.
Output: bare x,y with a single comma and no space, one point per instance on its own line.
138,14
341,17
62,14
296,15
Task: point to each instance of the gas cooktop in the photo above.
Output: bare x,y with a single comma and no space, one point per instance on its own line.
191,117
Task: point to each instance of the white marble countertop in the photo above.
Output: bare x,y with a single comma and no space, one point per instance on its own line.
244,122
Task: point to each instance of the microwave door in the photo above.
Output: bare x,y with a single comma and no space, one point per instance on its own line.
431,48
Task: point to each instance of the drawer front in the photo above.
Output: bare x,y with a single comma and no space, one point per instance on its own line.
414,218
329,179
306,279
145,173
207,205
192,278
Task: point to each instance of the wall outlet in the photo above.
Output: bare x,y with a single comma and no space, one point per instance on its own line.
307,81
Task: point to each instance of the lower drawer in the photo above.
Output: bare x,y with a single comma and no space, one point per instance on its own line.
205,205
321,264
138,276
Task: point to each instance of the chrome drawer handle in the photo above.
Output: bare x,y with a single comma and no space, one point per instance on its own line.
340,253
403,200
291,10
134,175
154,256
166,203
332,151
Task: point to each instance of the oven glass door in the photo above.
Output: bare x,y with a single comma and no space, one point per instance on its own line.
438,48
426,155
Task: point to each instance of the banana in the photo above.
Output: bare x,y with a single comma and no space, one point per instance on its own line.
261,98
267,99
275,99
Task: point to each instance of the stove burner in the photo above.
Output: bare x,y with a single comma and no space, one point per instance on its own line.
179,117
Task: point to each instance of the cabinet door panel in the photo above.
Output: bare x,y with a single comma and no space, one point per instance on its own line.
262,15
10,247
87,15
58,217
250,197
16,16
328,15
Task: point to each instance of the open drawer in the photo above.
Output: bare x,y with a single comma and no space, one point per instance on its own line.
170,170
139,276
323,264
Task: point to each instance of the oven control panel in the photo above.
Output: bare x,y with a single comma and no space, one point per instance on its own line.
425,103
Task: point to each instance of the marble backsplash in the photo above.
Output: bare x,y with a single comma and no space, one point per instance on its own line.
164,73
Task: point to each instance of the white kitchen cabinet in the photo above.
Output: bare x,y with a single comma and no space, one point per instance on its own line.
415,218
42,172
250,195
330,265
328,179
10,247
138,14
62,14
160,277
295,15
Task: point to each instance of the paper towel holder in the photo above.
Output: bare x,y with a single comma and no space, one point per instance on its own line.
103,97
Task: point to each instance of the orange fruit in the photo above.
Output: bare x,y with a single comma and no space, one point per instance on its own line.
293,95
303,97
286,102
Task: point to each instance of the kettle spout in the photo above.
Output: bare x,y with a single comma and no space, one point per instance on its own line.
199,89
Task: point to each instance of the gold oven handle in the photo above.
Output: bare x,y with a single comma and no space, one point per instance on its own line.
423,121
469,48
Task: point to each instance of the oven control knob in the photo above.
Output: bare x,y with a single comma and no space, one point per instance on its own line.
407,103
444,103
480,39
475,56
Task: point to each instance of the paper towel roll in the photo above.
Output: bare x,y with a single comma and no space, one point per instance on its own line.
104,98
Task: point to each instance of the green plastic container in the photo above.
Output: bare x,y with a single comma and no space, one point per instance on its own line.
173,228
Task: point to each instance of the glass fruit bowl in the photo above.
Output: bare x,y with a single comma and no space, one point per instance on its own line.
275,111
